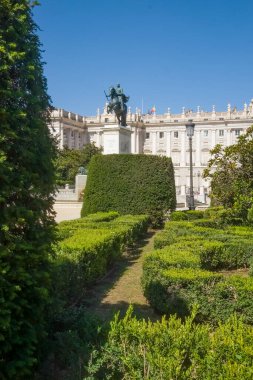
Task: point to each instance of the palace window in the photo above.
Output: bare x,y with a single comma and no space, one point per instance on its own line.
205,133
237,132
176,135
147,135
161,135
221,132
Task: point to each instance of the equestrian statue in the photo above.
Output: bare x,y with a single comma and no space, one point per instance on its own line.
117,104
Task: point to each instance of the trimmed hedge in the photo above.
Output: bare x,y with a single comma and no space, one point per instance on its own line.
130,184
186,215
87,249
176,276
170,349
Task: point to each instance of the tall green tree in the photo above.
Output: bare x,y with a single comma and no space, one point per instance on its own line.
27,185
69,160
231,172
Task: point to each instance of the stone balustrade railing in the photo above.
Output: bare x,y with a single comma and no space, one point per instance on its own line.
199,116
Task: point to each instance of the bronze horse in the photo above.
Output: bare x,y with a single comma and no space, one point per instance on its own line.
117,104
120,113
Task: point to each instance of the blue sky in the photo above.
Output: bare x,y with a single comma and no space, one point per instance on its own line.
169,53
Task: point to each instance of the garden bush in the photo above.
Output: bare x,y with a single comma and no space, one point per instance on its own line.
210,223
171,349
171,232
87,248
234,254
194,214
130,184
181,273
177,216
175,290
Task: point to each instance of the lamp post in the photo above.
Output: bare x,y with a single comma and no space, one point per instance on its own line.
190,132
198,174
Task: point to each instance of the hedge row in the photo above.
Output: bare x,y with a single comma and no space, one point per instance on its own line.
180,274
214,216
130,184
87,249
170,349
186,215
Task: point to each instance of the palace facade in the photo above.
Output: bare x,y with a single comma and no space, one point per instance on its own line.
163,135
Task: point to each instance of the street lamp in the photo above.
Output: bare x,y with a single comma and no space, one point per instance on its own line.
190,132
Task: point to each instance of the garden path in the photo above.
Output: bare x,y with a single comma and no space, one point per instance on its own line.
122,285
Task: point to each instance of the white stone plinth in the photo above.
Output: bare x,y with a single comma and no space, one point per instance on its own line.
117,139
80,184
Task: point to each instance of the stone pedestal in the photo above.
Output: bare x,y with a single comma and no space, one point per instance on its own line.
80,184
117,139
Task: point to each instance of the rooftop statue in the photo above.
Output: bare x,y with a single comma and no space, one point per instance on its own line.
117,103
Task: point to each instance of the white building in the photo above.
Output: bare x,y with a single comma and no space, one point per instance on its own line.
162,135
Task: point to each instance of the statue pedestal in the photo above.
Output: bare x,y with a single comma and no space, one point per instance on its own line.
80,184
117,139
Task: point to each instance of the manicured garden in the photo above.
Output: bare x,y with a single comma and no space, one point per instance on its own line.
200,271
192,264
87,247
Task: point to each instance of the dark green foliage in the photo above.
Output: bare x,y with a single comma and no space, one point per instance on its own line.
234,254
87,249
68,162
176,277
130,184
231,172
194,214
170,349
186,215
26,195
73,334
178,215
209,223
89,246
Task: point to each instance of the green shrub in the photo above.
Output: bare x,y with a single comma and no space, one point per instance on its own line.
212,212
209,223
230,255
101,216
186,215
241,231
171,349
88,248
178,215
194,214
175,290
171,232
250,215
176,277
130,184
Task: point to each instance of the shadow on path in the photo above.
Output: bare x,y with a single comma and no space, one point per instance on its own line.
122,285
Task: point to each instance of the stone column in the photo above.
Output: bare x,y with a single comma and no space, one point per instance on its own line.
82,139
98,139
137,140
183,192
197,148
61,136
168,144
213,138
133,140
154,137
76,142
228,139
183,149
68,132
